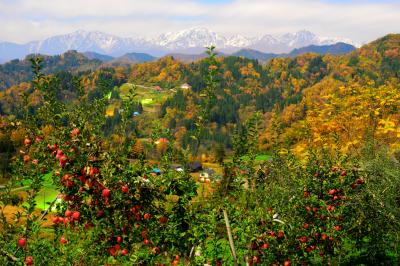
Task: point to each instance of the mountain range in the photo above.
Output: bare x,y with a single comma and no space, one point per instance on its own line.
189,41
16,71
334,49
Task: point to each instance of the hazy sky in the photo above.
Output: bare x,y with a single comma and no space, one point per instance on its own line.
361,21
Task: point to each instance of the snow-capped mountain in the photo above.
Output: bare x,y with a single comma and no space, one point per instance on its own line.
80,40
192,40
285,43
83,41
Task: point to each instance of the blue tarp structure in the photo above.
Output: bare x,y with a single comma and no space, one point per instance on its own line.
157,171
136,113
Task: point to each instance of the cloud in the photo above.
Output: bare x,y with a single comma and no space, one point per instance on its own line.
25,20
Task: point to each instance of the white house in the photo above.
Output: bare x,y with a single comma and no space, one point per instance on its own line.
185,86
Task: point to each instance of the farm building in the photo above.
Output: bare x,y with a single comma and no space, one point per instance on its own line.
185,86
161,140
177,167
195,166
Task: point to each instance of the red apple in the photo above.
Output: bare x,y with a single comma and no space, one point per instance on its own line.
59,154
125,189
332,192
303,239
22,242
144,234
76,215
27,142
26,158
63,160
63,240
337,227
93,171
75,132
106,192
112,251
360,181
69,183
287,263
99,213
265,246
55,220
29,260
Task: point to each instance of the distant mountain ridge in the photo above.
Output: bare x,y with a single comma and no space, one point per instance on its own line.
189,41
17,71
254,54
136,57
101,57
335,49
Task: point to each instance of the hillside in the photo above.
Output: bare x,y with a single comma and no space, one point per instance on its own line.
333,49
131,58
254,54
17,71
294,92
288,91
101,57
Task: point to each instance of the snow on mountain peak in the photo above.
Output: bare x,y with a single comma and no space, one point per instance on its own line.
192,40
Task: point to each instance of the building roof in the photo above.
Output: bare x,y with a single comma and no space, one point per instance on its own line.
185,86
195,166
161,140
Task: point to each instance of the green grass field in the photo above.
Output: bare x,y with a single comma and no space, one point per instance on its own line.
259,157
147,95
147,101
46,195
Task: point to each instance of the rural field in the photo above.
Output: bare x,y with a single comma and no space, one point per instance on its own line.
166,143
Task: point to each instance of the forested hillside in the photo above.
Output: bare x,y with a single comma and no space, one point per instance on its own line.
306,100
17,71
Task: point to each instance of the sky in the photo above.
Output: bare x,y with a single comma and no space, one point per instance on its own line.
361,21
